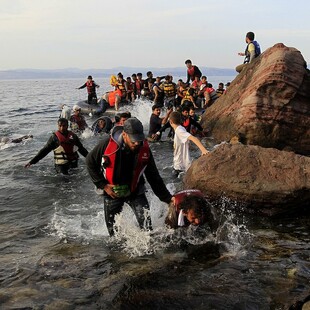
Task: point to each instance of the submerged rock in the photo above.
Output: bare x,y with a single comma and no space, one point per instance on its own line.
264,179
267,104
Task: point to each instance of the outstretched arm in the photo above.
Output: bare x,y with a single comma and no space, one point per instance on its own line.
196,141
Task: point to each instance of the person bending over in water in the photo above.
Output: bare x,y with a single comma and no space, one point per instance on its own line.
65,145
190,208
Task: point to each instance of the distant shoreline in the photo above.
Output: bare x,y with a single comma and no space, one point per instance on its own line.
25,74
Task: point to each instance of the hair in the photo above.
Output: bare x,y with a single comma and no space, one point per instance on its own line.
139,74
222,84
156,106
210,85
250,35
120,75
128,78
125,115
133,75
195,203
188,61
149,73
62,121
204,77
175,117
186,107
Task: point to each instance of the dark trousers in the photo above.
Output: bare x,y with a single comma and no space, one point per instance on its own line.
92,98
138,204
64,169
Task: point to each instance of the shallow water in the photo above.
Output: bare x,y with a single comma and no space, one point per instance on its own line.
55,249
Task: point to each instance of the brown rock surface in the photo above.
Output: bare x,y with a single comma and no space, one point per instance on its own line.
267,104
264,179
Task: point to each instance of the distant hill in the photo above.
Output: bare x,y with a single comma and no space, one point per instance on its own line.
21,74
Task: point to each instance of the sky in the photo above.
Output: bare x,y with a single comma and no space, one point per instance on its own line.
58,34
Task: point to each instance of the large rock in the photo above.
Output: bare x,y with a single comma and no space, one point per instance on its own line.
267,104
264,179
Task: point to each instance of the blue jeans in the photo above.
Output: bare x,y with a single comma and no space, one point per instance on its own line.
138,205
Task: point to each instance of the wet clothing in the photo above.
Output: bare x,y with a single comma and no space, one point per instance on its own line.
107,127
175,220
78,122
155,125
53,144
125,161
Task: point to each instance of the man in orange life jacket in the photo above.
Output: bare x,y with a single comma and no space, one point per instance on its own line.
91,89
117,165
65,145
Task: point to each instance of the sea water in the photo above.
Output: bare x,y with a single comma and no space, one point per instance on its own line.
55,248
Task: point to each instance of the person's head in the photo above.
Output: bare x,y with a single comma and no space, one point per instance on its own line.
62,125
209,85
76,109
188,63
194,209
133,133
185,111
158,79
175,118
128,79
250,36
204,79
221,85
89,78
134,76
192,111
122,117
227,84
120,76
156,109
139,76
149,74
101,123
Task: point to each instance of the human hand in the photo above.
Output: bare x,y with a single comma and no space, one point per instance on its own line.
108,188
27,165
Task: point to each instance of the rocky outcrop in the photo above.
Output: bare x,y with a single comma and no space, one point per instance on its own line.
263,179
267,104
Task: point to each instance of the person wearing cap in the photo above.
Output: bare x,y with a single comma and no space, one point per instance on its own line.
251,52
65,145
118,165
77,120
91,89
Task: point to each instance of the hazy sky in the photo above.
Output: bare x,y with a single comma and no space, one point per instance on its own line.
55,34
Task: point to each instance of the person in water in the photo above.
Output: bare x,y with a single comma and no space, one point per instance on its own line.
65,145
156,122
77,120
190,208
251,52
117,165
181,155
91,89
6,140
102,125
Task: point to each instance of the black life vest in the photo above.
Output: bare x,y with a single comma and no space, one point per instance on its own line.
169,89
109,163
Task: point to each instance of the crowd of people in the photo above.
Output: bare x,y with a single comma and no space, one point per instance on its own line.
122,159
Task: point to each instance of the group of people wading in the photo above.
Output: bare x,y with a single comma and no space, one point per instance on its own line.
121,161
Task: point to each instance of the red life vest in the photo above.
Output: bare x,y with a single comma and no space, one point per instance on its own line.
139,85
65,151
179,197
79,121
110,163
186,123
90,86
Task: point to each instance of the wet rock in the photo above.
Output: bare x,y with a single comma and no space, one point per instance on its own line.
264,179
267,104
